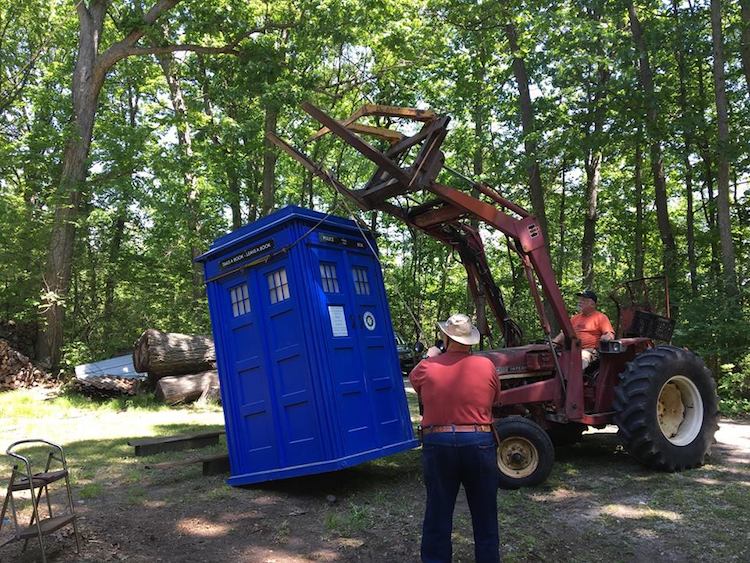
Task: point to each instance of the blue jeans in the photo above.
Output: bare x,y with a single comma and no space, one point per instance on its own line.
451,459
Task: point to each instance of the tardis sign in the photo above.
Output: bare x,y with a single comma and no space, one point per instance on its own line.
248,253
309,373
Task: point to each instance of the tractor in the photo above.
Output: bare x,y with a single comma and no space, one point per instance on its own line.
661,397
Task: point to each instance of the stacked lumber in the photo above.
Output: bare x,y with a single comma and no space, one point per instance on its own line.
17,370
181,367
107,386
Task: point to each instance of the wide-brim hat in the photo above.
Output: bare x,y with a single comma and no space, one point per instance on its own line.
459,328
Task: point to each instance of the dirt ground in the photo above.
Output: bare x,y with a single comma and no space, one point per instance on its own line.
598,505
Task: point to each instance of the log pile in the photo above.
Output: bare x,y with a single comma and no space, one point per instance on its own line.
107,386
181,367
17,370
21,335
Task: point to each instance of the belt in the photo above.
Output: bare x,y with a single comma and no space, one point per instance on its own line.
457,428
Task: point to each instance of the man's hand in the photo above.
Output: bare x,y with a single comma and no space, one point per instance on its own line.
433,351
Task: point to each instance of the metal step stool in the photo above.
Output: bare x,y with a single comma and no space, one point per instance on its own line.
23,479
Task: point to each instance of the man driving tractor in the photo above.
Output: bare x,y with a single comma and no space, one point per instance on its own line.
591,327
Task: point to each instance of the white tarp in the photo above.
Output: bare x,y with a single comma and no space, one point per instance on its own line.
121,366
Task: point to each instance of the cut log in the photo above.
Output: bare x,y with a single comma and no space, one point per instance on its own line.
186,388
107,386
163,354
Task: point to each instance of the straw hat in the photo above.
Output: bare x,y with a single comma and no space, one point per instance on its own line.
459,328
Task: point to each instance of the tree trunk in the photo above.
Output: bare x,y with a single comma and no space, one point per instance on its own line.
745,42
162,354
725,232
185,142
90,70
88,79
687,132
529,133
269,161
657,163
187,388
561,252
638,180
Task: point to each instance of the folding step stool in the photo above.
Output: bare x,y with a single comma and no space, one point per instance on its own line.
21,480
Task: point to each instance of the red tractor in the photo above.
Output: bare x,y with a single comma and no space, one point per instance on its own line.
661,397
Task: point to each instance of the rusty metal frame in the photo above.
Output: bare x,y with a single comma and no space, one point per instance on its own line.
441,218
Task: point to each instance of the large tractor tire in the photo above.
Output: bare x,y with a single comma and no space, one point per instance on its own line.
525,454
666,409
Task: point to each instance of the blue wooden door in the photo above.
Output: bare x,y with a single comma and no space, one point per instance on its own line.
296,413
246,385
353,411
377,346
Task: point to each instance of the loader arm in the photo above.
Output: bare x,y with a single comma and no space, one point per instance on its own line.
410,166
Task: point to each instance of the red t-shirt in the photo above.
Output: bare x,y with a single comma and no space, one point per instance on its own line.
589,328
456,388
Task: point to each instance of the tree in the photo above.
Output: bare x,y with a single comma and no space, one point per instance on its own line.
91,69
657,161
722,118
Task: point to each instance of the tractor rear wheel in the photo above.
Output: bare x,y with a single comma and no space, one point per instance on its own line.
666,409
525,454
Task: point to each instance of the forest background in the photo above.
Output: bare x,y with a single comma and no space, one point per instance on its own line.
133,134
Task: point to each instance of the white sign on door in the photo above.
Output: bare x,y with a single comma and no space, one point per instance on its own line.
338,320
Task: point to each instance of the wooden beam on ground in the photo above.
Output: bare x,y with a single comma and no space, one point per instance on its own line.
211,465
151,446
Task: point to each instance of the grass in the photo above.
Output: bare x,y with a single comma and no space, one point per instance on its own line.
598,504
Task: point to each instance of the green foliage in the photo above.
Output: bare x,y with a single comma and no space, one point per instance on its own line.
151,203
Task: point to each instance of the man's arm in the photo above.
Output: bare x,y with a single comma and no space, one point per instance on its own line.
608,333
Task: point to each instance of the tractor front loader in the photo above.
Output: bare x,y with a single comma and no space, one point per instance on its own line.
662,398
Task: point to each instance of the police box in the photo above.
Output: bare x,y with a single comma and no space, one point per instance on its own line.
305,349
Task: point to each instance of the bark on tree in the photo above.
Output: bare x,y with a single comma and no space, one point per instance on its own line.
745,41
725,232
638,180
593,173
657,163
162,354
559,271
269,161
186,388
190,182
687,134
529,133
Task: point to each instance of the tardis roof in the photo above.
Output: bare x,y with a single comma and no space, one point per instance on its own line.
269,222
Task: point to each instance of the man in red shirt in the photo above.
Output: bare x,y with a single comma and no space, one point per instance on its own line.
591,327
458,391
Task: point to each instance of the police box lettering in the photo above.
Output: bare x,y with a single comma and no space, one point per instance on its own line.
247,253
331,239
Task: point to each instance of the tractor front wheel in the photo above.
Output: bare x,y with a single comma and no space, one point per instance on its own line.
666,409
525,453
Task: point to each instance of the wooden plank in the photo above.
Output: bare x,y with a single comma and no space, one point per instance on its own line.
212,465
216,466
151,446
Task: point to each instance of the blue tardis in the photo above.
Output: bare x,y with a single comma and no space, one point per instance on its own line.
310,379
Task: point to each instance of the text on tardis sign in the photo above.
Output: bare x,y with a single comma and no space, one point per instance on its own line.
247,253
340,240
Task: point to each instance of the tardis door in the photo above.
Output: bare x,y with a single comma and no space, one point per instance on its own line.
377,346
354,417
245,383
280,287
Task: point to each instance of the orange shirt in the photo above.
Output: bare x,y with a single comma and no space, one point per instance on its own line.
456,388
589,328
